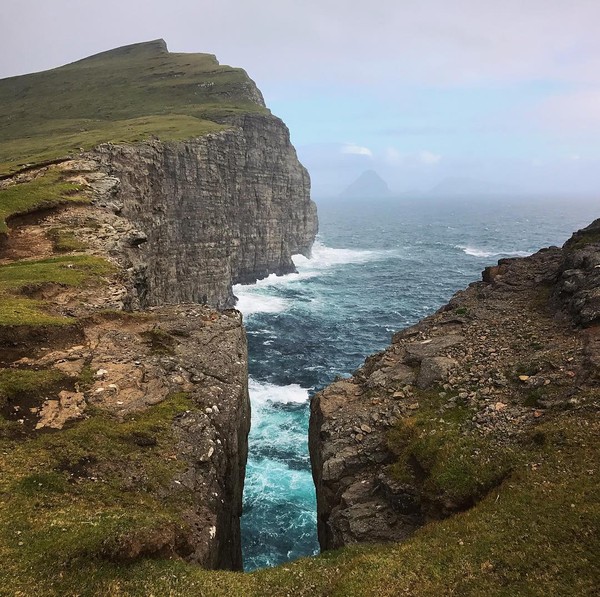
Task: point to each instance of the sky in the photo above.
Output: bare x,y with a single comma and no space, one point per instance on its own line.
502,92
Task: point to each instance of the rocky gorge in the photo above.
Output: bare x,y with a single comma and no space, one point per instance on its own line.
460,460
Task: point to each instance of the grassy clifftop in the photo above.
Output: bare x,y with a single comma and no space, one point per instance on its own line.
126,94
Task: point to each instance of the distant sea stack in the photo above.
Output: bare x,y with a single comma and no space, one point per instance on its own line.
369,185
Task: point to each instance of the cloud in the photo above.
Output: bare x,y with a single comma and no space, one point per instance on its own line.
577,112
427,42
428,157
354,149
393,156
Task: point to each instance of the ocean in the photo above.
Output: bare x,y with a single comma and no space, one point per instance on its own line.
377,266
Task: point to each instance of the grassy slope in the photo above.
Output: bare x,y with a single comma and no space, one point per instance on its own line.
122,95
46,191
535,535
16,308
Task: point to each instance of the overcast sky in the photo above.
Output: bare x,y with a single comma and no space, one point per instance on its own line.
505,91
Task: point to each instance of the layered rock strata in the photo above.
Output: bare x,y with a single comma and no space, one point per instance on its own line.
175,225
230,207
499,358
109,363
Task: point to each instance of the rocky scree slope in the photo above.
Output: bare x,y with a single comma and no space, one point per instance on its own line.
450,410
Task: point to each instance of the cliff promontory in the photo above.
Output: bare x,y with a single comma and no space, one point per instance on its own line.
137,186
498,390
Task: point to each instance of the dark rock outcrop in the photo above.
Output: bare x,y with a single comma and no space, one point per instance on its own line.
460,387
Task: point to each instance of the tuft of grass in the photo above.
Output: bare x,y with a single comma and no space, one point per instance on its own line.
583,239
64,240
18,383
43,192
15,311
159,341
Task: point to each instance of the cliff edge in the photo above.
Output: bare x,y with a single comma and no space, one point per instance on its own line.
459,404
137,186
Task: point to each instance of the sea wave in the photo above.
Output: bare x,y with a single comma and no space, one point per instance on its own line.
477,252
250,302
255,298
262,392
324,257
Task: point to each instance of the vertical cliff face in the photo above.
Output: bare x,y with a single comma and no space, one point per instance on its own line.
228,207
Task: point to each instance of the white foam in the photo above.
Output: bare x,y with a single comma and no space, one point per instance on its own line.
261,393
324,257
251,302
476,252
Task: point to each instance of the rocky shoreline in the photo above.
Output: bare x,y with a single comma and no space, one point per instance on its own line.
517,348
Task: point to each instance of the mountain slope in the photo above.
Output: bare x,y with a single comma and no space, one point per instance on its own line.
126,94
368,185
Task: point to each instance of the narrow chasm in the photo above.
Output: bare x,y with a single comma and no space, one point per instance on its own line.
374,270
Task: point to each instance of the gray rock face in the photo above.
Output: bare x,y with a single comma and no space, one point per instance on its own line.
534,315
225,208
579,284
434,369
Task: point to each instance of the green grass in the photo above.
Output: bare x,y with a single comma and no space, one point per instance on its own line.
159,341
43,192
583,240
67,270
534,535
27,276
19,383
16,311
451,465
124,95
69,497
64,240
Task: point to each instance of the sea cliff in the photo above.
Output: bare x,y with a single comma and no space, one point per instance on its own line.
440,419
123,391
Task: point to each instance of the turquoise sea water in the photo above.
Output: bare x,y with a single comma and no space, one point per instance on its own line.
377,266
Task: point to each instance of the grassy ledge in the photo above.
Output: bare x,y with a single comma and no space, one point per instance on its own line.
83,495
44,192
19,280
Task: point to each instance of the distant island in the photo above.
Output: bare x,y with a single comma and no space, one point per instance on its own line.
368,184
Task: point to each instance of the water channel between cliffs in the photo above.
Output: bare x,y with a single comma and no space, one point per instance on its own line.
375,269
